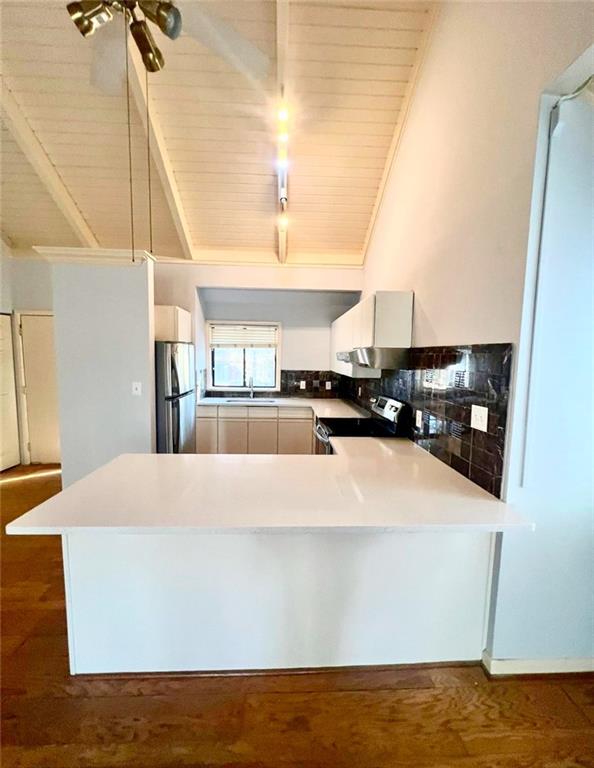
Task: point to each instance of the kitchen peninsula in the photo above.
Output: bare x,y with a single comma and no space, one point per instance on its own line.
379,554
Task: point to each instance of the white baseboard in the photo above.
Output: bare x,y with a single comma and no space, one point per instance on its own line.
536,666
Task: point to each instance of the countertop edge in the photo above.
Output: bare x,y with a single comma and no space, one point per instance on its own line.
434,527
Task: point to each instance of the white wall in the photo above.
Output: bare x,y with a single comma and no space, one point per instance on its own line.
453,225
177,280
32,283
305,349
6,301
305,317
544,604
25,281
177,283
104,341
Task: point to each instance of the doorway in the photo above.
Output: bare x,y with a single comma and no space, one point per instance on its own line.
9,444
40,393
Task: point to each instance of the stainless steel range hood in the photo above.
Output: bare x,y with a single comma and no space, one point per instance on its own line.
386,358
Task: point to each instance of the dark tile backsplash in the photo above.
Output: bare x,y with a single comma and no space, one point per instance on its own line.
444,382
315,385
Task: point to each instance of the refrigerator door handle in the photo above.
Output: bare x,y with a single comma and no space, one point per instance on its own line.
175,426
175,388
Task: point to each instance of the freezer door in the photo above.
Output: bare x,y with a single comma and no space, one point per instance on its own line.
174,368
166,417
172,430
187,423
182,368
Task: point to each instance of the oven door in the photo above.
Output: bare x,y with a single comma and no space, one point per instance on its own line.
322,440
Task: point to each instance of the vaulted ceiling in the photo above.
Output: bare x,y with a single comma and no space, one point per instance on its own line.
347,68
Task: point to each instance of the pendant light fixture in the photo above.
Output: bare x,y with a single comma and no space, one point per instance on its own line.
148,150
129,122
282,172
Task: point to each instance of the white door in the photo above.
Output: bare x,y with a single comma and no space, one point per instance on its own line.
39,361
9,435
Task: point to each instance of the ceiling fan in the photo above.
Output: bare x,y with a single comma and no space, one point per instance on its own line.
199,23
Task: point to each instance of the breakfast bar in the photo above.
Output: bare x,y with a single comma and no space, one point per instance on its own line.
379,554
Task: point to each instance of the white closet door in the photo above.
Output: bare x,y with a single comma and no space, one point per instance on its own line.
9,435
41,386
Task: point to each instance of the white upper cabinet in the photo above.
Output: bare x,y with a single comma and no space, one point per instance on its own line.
383,319
363,323
172,324
392,319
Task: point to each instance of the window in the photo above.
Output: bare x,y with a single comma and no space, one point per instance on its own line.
242,355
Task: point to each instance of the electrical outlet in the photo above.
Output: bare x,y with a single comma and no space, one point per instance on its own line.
479,417
359,390
419,419
328,385
137,388
301,385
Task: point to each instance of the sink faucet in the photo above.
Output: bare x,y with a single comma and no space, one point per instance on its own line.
252,387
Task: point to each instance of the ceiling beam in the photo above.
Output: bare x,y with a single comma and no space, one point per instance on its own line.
159,152
282,53
31,147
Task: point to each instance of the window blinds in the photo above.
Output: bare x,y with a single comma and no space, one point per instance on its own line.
227,335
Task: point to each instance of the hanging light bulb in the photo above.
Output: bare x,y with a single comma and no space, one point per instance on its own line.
89,15
165,15
151,55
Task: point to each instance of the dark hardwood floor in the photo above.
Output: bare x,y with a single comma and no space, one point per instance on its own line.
438,716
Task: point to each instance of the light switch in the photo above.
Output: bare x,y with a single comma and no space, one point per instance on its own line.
328,385
359,390
301,385
479,417
419,419
137,388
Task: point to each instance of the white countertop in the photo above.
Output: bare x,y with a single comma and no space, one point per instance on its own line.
323,407
369,486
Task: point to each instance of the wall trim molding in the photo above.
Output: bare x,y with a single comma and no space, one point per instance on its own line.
93,255
287,265
535,666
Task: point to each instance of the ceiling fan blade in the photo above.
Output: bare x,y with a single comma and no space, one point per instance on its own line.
108,65
209,29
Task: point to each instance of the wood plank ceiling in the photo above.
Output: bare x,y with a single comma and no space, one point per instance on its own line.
349,69
28,213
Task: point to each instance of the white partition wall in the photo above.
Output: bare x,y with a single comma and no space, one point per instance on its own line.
546,577
104,344
172,603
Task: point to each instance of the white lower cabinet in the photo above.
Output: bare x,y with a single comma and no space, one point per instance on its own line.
295,436
255,429
206,436
233,435
263,436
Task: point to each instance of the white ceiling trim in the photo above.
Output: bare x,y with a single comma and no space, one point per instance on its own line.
159,153
35,154
121,256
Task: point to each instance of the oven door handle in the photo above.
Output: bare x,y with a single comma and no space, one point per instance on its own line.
320,435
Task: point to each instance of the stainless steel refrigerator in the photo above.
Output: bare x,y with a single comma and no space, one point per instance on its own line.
176,397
